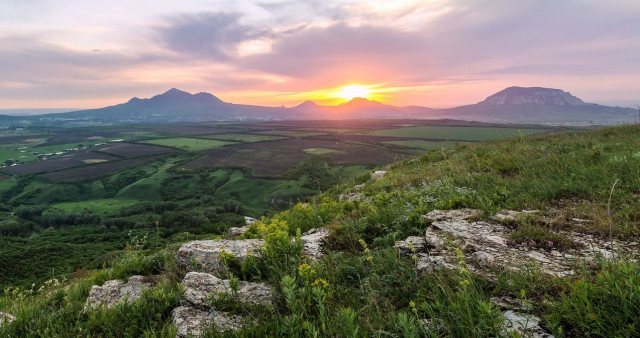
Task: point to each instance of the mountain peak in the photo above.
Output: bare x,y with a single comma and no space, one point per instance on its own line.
361,101
533,95
307,104
174,91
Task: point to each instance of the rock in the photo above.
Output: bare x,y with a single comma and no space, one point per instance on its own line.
351,196
205,255
236,232
378,174
114,292
427,264
411,245
510,215
508,303
192,322
6,318
198,286
434,240
486,244
450,215
484,259
358,187
312,242
524,325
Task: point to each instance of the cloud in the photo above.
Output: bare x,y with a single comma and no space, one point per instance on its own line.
214,36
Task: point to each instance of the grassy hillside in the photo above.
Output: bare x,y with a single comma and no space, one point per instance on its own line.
363,288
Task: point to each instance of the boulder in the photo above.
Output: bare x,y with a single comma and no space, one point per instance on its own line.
198,286
236,232
6,318
192,322
115,291
378,174
487,244
205,255
312,242
524,325
411,245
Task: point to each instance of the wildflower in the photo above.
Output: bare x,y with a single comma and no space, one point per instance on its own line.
524,244
550,244
532,242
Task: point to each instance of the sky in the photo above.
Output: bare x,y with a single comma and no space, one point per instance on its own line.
434,53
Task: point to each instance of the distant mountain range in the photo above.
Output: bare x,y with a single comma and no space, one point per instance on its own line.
511,105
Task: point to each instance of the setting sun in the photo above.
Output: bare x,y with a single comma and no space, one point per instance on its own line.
353,91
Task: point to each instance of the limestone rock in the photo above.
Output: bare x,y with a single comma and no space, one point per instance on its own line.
205,255
192,322
115,291
508,215
427,264
411,245
312,242
486,244
525,325
508,303
236,232
378,174
6,318
199,286
351,196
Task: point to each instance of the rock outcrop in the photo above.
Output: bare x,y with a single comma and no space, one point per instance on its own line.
206,255
114,292
378,174
486,244
199,286
6,318
524,325
192,322
236,232
313,241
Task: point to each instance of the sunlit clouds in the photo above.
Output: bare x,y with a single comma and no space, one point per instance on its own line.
274,52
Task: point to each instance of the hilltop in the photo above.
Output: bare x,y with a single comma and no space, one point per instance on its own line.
418,249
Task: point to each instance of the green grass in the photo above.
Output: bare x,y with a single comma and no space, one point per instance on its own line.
422,145
456,133
189,144
244,138
321,151
100,206
362,288
292,133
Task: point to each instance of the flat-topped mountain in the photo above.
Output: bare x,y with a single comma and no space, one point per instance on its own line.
537,105
533,95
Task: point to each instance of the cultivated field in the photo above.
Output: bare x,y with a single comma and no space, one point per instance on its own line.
188,143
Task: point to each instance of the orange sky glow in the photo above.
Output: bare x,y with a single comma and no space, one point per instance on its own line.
433,53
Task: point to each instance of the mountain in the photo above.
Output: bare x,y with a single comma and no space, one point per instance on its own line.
534,95
537,105
173,105
358,108
511,105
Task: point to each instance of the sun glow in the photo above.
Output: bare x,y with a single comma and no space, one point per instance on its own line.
352,91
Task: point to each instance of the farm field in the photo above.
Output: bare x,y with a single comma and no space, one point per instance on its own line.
244,138
189,144
456,133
